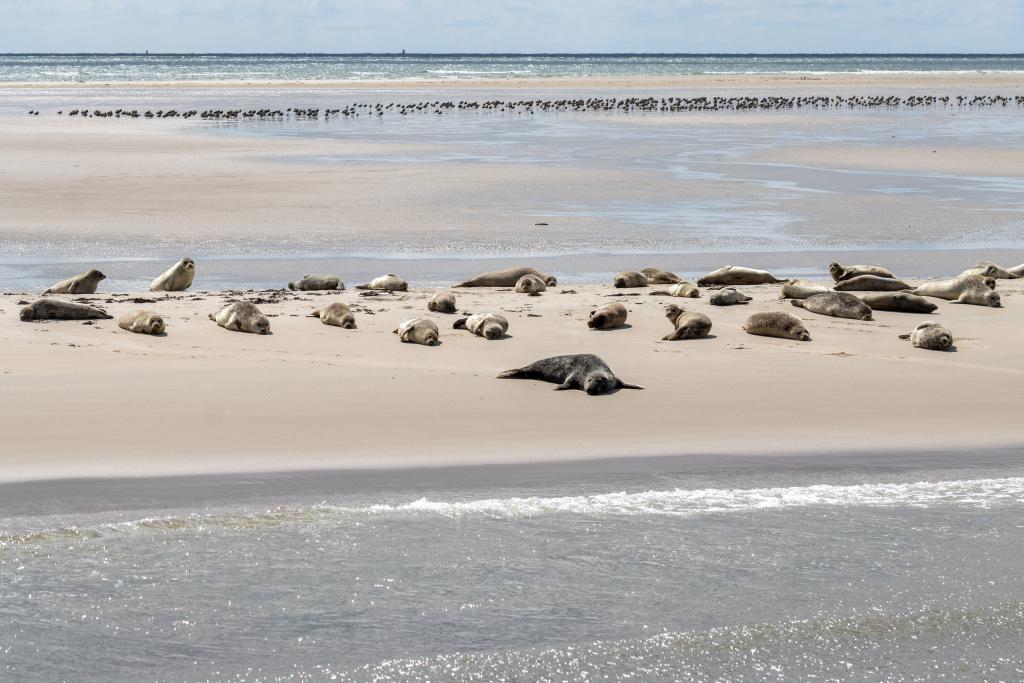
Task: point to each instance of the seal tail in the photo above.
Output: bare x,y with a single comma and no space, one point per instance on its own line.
314,314
517,373
905,336
460,324
213,317
362,286
658,294
799,303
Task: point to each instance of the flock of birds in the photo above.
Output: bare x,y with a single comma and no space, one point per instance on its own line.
576,105
876,288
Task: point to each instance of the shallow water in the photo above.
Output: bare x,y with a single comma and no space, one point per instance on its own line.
778,569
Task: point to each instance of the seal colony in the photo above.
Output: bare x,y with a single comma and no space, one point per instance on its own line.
857,291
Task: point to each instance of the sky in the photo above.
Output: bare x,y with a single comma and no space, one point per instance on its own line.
512,25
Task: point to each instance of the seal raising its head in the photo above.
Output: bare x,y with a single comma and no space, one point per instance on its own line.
84,283
583,371
530,284
687,325
177,278
840,273
656,276
961,290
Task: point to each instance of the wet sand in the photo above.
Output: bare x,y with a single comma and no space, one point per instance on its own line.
96,401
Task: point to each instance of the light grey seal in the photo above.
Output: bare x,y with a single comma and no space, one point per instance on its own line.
607,317
1016,270
486,325
582,371
835,304
84,283
629,278
507,278
443,302
930,335
871,283
337,314
313,283
59,309
801,289
737,275
777,324
530,284
656,276
386,283
418,331
840,273
177,278
687,325
142,322
898,302
989,269
961,290
729,297
242,316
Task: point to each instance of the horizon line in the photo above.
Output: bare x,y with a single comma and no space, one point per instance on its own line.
513,54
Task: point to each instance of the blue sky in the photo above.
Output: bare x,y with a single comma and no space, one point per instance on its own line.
512,25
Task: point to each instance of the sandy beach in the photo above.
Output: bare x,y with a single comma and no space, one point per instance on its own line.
86,400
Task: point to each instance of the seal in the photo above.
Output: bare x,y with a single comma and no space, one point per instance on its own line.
736,275
687,325
83,283
960,290
142,322
337,314
777,324
801,289
507,278
581,371
684,289
418,331
840,273
313,283
835,304
607,317
386,283
530,284
729,297
629,278
898,302
871,283
1017,270
177,278
930,335
242,316
656,276
443,302
59,309
486,325
989,269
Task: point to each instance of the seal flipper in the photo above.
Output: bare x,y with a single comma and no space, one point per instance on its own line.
569,383
905,336
517,373
460,324
627,385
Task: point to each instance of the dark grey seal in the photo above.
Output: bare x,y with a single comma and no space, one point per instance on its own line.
58,309
898,302
583,371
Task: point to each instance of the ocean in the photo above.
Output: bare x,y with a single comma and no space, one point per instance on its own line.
86,68
846,568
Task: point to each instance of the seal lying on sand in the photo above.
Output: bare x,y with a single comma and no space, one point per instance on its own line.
386,283
729,297
801,289
486,325
84,283
418,331
736,275
871,283
960,290
840,273
141,322
58,309
177,278
656,276
313,283
583,371
930,335
242,316
1016,270
683,289
777,324
989,269
337,314
687,325
608,317
443,302
507,278
898,302
835,304
629,278
530,284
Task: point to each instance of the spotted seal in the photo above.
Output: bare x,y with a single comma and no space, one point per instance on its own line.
990,269
835,304
313,283
530,284
142,322
897,302
242,316
59,309
777,324
177,278
607,317
686,325
583,371
83,283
